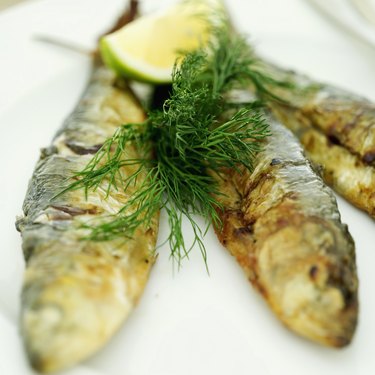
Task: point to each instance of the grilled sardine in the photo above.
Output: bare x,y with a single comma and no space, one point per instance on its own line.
282,224
337,130
77,292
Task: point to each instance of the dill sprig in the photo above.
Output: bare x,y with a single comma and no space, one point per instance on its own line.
196,131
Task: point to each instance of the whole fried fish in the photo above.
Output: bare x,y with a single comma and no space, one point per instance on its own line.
282,224
78,292
337,130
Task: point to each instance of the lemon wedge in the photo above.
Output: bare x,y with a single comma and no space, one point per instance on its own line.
147,48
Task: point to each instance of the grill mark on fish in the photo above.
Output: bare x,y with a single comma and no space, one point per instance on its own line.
337,130
75,211
369,157
347,117
343,171
283,226
58,213
350,122
314,270
81,150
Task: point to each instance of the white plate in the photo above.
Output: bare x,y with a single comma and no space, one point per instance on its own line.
187,322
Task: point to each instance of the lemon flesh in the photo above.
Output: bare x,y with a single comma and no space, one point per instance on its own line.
147,48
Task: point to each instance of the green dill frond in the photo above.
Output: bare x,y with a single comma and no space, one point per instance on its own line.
196,131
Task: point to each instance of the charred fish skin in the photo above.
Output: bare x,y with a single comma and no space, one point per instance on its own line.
343,171
283,226
345,118
337,130
77,293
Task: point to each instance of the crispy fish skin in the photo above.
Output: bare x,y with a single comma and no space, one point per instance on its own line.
283,226
345,172
337,130
345,118
76,292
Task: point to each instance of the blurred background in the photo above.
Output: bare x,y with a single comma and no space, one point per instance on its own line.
6,3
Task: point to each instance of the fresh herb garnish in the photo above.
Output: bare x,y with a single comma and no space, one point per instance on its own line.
196,131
